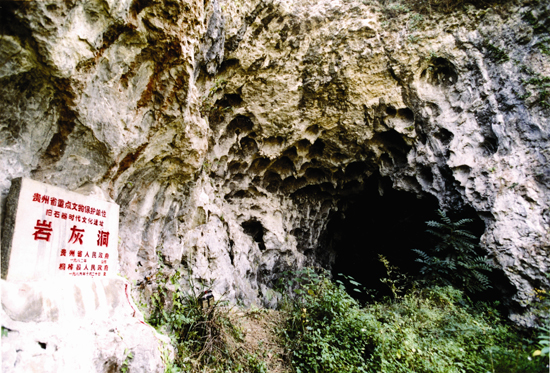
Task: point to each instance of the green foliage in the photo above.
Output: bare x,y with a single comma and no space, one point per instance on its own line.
197,333
439,330
542,84
538,27
544,342
544,45
430,330
539,308
496,54
395,10
395,280
324,327
415,21
255,364
355,286
126,363
453,260
539,82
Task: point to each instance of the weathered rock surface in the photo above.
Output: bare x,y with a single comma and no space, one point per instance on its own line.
84,325
320,95
229,131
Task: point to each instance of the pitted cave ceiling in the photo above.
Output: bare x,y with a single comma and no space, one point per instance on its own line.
236,136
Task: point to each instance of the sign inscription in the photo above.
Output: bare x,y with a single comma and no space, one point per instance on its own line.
49,231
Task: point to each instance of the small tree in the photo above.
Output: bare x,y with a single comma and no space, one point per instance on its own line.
454,260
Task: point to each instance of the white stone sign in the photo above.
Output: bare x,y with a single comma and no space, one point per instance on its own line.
49,232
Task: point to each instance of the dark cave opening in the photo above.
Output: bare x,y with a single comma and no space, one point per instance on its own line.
370,225
255,229
393,224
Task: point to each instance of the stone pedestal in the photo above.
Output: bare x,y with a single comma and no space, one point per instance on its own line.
82,325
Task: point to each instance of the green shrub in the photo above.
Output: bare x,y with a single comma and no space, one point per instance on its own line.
439,330
544,342
430,330
324,330
198,333
453,260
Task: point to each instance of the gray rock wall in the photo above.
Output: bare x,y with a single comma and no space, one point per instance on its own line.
229,130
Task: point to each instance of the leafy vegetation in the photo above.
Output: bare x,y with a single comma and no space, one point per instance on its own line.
197,332
324,327
454,260
425,326
203,335
544,342
126,363
436,329
495,53
541,84
539,307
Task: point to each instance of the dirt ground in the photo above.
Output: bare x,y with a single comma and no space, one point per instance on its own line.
260,337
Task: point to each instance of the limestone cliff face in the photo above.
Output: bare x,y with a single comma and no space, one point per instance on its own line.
229,131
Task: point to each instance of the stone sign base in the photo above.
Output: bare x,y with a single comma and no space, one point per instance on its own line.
82,325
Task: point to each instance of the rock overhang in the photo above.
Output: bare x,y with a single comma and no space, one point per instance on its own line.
310,101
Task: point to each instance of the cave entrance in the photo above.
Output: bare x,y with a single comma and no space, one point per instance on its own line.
393,224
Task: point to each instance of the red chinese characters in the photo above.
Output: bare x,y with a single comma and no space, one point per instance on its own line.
103,238
76,235
72,227
43,230
61,203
